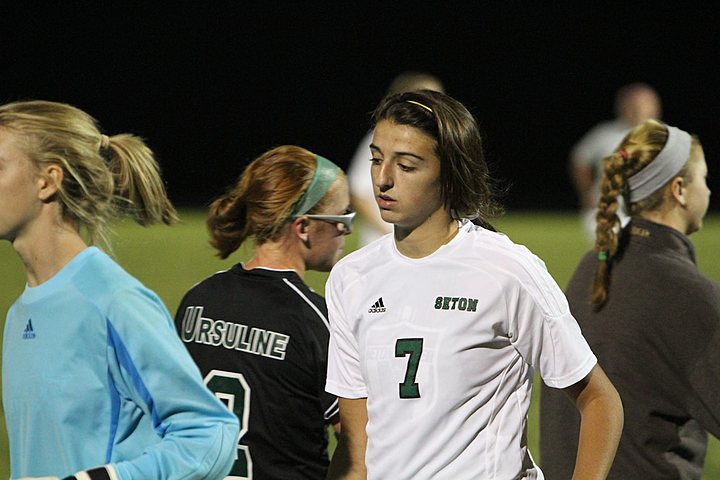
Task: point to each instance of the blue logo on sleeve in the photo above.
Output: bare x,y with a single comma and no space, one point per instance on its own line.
29,331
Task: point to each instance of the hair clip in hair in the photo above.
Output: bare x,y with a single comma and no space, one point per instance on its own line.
602,255
421,105
623,154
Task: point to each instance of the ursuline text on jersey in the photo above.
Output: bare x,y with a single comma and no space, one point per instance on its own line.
236,336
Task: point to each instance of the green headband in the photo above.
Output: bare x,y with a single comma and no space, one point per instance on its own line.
325,174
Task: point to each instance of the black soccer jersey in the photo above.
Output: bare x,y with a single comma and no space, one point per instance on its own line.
260,339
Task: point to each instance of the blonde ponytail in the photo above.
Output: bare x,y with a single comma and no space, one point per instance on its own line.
139,189
103,177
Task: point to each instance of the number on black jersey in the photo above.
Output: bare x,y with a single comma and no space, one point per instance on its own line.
233,390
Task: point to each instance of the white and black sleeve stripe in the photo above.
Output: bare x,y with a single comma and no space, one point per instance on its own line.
106,472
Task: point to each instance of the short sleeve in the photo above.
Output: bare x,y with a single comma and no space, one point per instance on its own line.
344,377
585,152
546,334
328,401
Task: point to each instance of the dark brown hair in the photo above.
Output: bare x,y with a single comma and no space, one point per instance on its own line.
466,186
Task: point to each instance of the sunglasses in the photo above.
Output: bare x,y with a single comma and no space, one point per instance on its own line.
343,222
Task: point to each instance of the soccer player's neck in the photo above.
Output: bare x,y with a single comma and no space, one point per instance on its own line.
46,248
670,214
424,239
277,256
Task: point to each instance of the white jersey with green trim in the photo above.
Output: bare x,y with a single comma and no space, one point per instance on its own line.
444,348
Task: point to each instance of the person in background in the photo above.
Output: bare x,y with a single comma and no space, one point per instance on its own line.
258,333
650,316
95,382
634,103
361,191
437,330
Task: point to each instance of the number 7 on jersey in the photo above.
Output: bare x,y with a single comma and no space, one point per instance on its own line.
412,347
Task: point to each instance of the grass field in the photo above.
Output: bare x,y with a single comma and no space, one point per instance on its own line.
170,260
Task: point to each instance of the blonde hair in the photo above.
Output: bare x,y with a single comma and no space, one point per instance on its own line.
638,149
103,177
262,200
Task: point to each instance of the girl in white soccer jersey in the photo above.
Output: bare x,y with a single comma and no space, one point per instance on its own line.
96,383
436,330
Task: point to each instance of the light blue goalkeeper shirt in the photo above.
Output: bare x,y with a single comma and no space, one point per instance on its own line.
94,373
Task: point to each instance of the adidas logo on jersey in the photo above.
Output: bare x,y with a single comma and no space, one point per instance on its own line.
378,307
29,332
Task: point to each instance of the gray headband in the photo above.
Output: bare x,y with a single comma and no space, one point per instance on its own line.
666,165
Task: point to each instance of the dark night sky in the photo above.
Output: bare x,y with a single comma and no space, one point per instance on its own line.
213,84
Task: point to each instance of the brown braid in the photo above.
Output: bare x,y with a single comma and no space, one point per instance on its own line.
637,149
608,223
